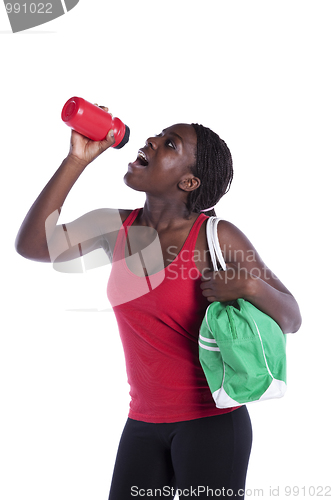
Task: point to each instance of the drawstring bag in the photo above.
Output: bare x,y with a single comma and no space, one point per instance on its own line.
241,349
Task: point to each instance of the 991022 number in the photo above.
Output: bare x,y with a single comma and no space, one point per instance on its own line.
32,8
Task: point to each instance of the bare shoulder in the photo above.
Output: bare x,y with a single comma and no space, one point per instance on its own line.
238,250
236,247
231,236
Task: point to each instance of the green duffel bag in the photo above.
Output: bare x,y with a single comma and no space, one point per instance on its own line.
243,354
241,349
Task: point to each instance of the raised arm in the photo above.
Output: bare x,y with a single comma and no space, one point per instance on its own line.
39,238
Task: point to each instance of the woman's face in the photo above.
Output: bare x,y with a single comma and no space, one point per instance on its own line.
164,161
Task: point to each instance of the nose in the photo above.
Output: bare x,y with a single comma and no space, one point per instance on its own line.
151,142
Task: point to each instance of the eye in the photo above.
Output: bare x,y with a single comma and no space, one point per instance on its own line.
170,144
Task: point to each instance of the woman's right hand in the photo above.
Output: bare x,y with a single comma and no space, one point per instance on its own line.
85,150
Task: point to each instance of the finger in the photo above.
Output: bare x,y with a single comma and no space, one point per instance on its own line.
103,107
77,134
212,276
208,293
206,275
106,109
206,285
210,298
109,140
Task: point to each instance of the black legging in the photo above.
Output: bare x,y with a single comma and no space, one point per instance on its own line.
202,458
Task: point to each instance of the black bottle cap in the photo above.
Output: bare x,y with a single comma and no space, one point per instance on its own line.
124,139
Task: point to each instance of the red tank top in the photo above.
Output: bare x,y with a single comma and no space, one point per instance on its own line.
159,318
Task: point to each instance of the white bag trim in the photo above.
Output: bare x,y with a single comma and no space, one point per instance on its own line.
208,348
262,346
205,339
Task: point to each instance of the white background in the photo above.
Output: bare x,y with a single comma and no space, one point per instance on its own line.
259,74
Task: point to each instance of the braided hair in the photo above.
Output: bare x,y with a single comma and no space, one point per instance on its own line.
214,169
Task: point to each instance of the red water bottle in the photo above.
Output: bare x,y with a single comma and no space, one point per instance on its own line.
93,122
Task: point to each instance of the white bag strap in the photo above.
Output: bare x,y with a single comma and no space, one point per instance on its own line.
209,234
214,244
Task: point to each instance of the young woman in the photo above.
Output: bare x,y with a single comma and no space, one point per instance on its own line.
160,286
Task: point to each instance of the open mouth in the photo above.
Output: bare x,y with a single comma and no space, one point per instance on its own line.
142,158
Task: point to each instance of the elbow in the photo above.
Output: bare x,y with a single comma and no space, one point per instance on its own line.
297,324
42,255
297,319
22,251
293,322
19,247
21,244
293,326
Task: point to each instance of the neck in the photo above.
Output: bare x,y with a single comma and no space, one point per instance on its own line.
160,214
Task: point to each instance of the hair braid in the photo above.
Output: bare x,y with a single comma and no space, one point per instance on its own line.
214,169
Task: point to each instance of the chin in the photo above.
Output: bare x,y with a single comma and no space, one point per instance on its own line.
129,182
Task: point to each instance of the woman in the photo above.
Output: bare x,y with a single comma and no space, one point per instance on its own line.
159,287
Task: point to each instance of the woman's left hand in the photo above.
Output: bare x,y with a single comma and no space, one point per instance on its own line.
223,286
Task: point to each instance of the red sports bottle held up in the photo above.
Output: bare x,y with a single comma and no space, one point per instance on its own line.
93,122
